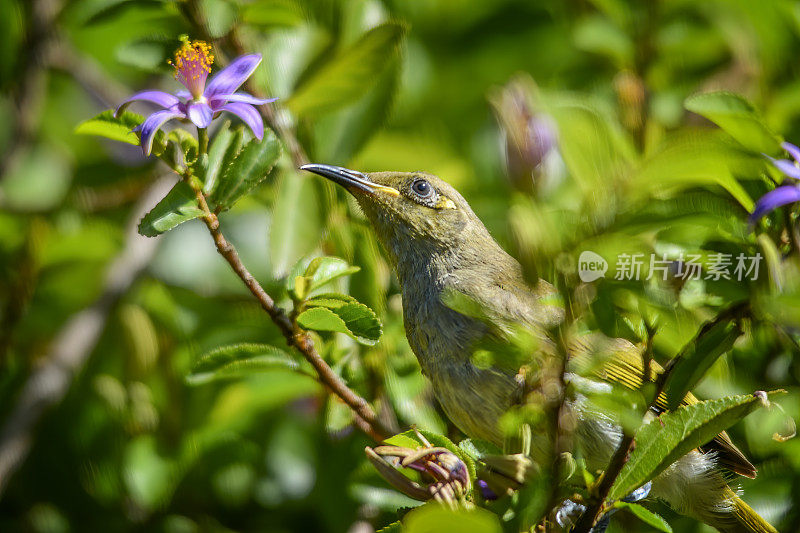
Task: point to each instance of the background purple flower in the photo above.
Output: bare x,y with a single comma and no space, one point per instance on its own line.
200,103
785,194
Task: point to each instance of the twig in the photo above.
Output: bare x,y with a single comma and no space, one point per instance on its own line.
365,416
73,345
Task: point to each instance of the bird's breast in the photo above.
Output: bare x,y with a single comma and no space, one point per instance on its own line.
473,398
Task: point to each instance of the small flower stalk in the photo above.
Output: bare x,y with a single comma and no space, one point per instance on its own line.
201,103
445,477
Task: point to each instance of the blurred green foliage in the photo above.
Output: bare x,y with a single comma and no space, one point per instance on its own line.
190,413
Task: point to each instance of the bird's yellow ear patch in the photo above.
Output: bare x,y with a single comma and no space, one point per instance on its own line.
445,203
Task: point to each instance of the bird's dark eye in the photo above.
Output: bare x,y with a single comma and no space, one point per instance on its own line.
422,188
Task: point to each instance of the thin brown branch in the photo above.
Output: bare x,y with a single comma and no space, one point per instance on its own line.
365,416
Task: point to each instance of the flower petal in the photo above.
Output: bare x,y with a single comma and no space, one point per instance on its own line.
785,194
787,167
793,150
227,80
249,115
199,113
161,98
152,124
220,99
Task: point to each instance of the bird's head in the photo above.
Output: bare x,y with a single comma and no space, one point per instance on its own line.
413,213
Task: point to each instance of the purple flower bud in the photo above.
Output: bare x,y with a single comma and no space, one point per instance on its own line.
486,492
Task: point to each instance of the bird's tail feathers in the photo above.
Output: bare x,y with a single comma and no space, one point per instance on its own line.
741,519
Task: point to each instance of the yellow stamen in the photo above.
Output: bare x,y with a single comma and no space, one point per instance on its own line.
192,64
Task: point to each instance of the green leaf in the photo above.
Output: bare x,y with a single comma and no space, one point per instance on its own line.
330,300
645,515
349,74
672,435
178,206
433,517
116,129
737,117
689,161
239,360
296,222
323,270
149,54
223,149
477,448
353,319
251,165
696,359
319,272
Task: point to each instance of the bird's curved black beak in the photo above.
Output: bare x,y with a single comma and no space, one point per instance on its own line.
349,179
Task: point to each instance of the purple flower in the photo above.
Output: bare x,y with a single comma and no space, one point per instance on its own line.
787,193
200,103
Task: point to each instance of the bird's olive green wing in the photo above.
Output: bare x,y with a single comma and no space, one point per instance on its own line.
624,366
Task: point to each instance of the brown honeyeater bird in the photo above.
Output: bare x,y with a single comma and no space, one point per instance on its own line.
437,245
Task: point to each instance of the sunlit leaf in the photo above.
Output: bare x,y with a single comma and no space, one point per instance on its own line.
672,435
353,319
330,300
434,517
349,74
323,270
735,115
116,129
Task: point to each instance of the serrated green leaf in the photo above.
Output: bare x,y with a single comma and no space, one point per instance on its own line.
394,527
239,360
361,321
178,206
116,129
697,357
330,300
251,166
353,319
221,152
672,435
737,117
645,515
349,74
